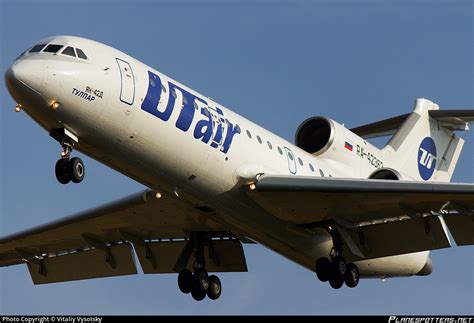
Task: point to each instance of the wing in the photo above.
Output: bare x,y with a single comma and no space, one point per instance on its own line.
375,218
101,242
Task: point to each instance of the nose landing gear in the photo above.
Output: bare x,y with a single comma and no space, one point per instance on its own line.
67,169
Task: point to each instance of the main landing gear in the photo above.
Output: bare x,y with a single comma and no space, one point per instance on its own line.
198,283
69,169
336,270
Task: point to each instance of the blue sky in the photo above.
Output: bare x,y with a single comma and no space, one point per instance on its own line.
276,63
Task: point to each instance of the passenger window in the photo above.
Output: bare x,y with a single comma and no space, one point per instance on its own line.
280,151
311,167
37,48
290,155
321,172
300,161
69,51
259,139
269,144
249,134
80,54
52,48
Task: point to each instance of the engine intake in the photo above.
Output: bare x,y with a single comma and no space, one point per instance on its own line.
315,135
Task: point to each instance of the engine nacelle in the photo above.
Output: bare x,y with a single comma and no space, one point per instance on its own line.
316,134
410,264
326,138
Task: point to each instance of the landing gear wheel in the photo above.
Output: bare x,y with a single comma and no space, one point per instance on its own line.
339,267
351,277
61,171
185,281
335,281
197,293
215,288
201,280
76,170
323,269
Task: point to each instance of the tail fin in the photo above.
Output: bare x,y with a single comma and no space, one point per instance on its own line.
423,146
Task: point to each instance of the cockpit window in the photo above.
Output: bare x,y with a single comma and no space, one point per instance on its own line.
37,48
52,48
69,51
81,54
23,53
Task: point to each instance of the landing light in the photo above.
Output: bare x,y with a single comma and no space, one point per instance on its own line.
18,107
158,195
252,186
55,105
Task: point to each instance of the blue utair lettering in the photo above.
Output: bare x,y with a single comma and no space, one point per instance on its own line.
231,132
213,126
220,122
203,128
186,115
150,103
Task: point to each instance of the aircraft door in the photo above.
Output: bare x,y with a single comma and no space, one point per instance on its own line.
127,82
291,160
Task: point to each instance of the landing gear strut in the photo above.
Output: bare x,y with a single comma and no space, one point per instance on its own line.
198,283
336,270
69,169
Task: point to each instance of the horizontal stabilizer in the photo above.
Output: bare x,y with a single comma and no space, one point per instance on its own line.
458,118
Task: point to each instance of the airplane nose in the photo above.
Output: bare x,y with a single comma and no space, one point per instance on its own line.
19,72
24,81
10,77
22,77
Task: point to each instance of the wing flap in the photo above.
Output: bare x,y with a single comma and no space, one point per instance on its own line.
461,228
161,257
80,265
394,238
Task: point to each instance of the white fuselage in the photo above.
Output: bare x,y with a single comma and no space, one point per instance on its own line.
174,140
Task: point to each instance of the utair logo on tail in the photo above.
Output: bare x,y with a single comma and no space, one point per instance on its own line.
427,158
213,128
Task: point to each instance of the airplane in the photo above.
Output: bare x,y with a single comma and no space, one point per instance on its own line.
331,202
